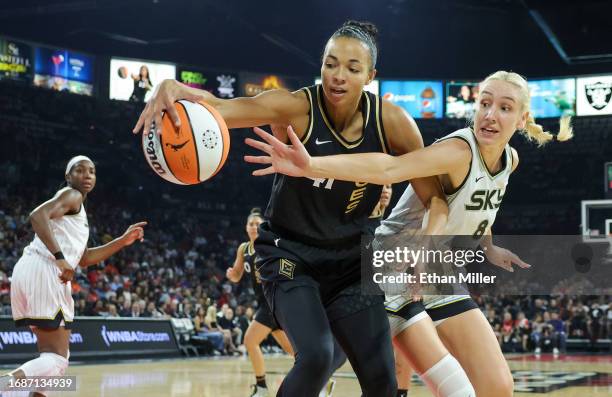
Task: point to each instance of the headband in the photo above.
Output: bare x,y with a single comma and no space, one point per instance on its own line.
75,160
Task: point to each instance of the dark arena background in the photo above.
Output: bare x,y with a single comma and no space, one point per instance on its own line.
140,326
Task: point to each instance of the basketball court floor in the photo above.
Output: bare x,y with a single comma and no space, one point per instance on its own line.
567,376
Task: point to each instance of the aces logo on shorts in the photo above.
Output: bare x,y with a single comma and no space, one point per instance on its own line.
286,268
598,94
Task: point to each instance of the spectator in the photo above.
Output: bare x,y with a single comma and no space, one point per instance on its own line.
215,337
135,310
559,334
112,311
228,322
211,323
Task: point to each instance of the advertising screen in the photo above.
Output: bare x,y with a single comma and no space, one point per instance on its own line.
461,99
63,70
91,337
134,80
421,99
594,95
16,60
255,83
222,85
373,87
553,98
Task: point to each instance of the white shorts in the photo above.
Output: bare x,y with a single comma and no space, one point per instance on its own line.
38,297
402,312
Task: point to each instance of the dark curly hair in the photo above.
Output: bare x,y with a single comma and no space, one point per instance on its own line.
364,31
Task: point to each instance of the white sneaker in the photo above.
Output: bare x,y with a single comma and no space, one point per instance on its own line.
538,351
258,391
328,389
555,351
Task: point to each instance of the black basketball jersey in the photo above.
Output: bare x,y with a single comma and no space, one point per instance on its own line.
248,255
325,212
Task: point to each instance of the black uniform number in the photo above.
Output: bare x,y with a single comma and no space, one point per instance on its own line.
482,228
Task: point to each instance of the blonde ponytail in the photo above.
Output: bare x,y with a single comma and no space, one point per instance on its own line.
535,132
566,131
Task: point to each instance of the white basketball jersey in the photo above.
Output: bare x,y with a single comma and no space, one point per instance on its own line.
71,233
472,207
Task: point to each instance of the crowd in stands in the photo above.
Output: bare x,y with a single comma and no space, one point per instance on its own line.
193,232
545,323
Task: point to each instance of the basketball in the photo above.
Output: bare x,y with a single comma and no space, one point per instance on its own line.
122,72
193,152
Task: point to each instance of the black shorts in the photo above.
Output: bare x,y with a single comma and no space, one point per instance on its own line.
334,271
264,316
451,309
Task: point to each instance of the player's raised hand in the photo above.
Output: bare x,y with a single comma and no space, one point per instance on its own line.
162,100
231,275
134,232
292,160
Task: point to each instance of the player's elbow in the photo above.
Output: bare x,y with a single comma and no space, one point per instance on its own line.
37,217
85,259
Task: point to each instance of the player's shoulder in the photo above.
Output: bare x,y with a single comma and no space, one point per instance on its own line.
69,194
242,248
398,124
299,96
459,140
394,113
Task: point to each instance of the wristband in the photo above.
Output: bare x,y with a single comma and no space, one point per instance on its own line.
59,255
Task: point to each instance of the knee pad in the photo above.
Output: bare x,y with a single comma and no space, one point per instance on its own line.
59,363
447,378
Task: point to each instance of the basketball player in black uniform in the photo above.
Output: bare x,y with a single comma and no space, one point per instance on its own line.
310,248
263,322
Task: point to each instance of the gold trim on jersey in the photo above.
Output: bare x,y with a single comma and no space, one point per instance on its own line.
310,117
339,137
251,248
242,248
379,127
377,212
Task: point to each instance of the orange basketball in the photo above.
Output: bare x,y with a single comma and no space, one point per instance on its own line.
193,152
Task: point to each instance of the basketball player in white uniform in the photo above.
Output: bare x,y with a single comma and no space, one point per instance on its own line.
473,166
41,295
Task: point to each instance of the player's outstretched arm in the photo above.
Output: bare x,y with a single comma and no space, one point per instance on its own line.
96,255
377,168
269,107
